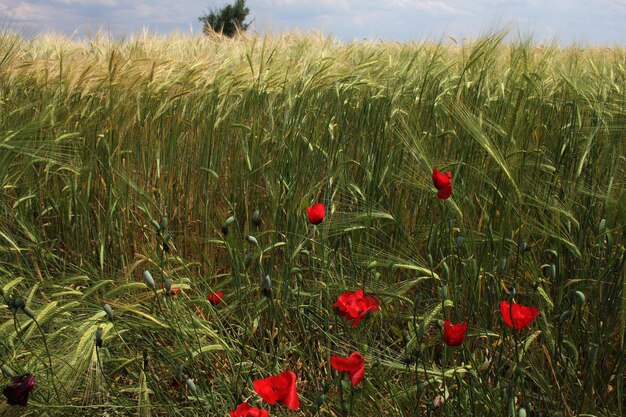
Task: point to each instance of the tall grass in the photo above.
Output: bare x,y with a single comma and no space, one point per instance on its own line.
102,139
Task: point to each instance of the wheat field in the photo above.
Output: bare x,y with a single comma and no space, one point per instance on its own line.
124,156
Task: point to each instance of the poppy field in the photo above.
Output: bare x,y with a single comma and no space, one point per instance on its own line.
291,226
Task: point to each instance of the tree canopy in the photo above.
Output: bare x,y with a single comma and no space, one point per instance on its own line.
228,21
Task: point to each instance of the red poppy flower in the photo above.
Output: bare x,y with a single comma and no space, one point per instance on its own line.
443,183
216,298
17,392
316,213
454,335
354,305
517,316
281,387
354,365
244,410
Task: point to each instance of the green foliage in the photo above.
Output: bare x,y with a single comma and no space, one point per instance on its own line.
228,21
116,158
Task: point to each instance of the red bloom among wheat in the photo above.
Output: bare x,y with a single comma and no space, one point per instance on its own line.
354,305
443,183
517,316
316,213
454,335
279,388
354,365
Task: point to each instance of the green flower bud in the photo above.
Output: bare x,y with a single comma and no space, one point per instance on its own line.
593,352
155,224
252,240
444,292
168,286
523,247
502,264
191,385
521,412
602,227
5,370
566,315
249,259
267,286
99,337
147,278
164,223
459,241
580,298
256,218
107,309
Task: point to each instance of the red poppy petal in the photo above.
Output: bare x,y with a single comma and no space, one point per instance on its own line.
357,376
445,192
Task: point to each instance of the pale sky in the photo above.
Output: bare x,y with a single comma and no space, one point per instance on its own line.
586,22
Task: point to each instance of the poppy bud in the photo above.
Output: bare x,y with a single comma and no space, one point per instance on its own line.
593,352
566,315
15,304
523,247
178,372
502,264
164,223
227,223
155,224
580,298
252,240
168,286
420,388
147,278
248,261
99,337
107,309
191,385
5,370
267,286
459,241
552,271
602,227
256,218
444,292
521,412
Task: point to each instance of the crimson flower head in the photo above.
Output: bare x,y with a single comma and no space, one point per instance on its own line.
354,365
517,316
17,392
354,305
281,387
454,335
216,298
443,183
244,410
316,213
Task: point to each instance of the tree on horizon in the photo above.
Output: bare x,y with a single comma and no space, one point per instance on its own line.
228,21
